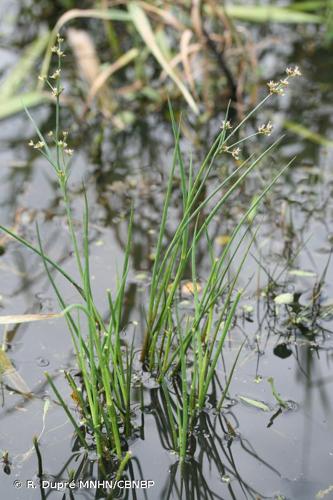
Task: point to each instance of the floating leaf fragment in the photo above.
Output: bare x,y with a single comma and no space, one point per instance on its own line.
254,402
247,308
284,298
323,493
282,351
301,273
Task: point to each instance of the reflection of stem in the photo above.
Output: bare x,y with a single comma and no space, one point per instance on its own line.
212,450
251,451
273,417
39,457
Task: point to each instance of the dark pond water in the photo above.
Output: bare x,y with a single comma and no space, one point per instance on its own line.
242,452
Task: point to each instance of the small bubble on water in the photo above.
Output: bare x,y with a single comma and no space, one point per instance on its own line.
225,478
42,362
292,405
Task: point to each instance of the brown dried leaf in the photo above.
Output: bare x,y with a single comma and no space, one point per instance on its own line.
103,76
184,52
167,17
27,318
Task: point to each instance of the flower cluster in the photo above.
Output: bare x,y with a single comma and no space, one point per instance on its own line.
293,71
59,139
234,152
56,74
276,87
61,143
226,125
55,87
36,145
56,49
279,87
265,129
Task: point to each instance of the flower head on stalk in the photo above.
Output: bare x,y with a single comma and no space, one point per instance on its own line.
280,86
265,129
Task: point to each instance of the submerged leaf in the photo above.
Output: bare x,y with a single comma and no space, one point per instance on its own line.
254,402
223,239
189,288
8,371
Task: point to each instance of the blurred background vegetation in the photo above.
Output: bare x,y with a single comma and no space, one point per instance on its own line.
125,58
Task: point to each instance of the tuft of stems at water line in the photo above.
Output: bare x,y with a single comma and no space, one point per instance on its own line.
171,261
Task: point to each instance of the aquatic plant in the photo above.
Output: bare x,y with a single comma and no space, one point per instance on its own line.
179,345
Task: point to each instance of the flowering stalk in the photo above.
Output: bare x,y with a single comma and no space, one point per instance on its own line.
277,88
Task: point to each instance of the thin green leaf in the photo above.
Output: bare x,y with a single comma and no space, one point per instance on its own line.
270,13
307,134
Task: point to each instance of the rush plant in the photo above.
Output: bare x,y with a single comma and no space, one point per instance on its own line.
176,344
